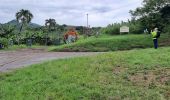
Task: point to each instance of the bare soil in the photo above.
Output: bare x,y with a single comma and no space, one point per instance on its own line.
157,77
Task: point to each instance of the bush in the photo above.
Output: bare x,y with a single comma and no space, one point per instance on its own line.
167,29
112,29
136,28
3,42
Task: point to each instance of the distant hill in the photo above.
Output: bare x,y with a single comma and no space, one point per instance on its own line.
15,22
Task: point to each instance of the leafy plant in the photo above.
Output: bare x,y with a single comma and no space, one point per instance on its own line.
4,42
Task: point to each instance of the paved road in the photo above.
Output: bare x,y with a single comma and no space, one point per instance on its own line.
17,59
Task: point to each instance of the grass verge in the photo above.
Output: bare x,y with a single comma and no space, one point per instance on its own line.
112,43
129,75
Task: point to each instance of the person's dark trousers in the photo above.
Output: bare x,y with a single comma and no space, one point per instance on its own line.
155,41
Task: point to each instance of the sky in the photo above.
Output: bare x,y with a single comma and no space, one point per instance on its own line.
71,12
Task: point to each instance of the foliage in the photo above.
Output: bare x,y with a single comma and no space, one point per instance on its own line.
50,24
38,34
7,31
101,77
4,42
111,29
167,29
135,27
25,16
154,13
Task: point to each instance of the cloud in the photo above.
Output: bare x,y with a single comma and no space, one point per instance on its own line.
72,12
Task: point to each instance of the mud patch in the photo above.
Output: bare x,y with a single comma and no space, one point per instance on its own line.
151,78
118,70
167,95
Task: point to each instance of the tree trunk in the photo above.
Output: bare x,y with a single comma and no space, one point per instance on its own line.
18,38
46,40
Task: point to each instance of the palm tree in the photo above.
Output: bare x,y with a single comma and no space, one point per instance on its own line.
23,17
50,24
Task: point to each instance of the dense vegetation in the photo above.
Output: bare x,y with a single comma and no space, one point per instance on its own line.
114,29
113,43
135,75
22,31
154,13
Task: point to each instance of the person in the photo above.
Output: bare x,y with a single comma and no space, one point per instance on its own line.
154,34
145,31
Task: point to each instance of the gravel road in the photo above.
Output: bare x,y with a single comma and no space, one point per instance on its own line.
10,60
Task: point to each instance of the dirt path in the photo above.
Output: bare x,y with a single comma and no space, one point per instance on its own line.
17,59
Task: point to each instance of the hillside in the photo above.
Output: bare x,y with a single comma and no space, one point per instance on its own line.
112,43
122,75
15,23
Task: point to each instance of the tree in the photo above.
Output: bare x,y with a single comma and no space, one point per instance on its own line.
6,31
24,17
165,14
50,25
152,12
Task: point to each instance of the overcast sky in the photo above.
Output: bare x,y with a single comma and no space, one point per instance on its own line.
71,12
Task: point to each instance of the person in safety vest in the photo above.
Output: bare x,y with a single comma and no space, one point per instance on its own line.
155,37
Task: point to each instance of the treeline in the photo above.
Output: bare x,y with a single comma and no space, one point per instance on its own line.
114,29
22,31
153,13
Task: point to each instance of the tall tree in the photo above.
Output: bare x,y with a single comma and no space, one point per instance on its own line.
24,17
50,25
150,14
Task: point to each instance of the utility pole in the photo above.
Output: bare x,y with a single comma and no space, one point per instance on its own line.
87,20
87,29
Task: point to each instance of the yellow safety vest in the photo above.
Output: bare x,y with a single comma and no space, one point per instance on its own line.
154,34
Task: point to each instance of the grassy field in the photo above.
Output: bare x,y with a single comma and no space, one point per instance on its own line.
129,75
113,43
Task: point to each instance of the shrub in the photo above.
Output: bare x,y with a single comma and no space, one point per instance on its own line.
4,42
112,29
167,29
135,28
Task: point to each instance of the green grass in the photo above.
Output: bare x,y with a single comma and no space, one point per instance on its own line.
14,47
129,75
18,47
113,43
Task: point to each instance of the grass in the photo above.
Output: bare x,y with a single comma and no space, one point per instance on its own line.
129,75
112,43
18,47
